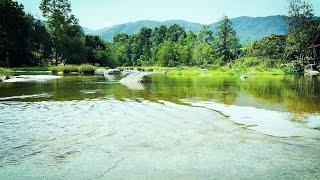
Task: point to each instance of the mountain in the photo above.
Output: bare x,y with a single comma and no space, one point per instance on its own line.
247,28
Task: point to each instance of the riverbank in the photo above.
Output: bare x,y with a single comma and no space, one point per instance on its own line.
242,66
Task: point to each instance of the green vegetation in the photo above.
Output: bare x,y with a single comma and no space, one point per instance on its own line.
61,41
85,69
248,66
30,69
5,71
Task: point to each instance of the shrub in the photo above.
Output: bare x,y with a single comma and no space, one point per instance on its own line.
40,68
65,68
87,69
5,71
293,67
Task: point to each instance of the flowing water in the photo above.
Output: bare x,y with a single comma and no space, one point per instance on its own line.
89,127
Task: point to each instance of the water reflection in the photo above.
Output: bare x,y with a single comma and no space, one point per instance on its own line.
295,94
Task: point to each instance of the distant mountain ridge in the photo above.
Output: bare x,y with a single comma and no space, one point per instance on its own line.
247,28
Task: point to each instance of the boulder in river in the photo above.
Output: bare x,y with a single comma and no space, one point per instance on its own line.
244,77
135,81
311,73
112,72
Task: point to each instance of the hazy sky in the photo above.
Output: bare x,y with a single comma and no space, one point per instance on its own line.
97,14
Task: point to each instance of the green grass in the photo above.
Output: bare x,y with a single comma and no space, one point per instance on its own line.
85,68
65,68
147,68
30,69
246,65
5,71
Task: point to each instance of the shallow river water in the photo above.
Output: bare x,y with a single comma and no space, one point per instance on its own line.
88,127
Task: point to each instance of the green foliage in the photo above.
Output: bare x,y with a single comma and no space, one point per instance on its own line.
5,71
227,42
30,69
272,47
293,67
303,29
65,68
64,30
23,40
87,69
84,68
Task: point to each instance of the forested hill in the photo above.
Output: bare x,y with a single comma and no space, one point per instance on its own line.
247,28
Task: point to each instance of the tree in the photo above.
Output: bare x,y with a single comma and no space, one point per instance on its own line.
94,46
40,42
64,30
159,35
302,28
145,42
227,41
272,47
175,32
206,35
14,34
23,40
165,55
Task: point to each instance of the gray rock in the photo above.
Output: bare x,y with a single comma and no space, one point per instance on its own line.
112,72
244,77
135,81
311,73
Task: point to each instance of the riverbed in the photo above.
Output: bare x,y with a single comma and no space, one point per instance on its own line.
89,127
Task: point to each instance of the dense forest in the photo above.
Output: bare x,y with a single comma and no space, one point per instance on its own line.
26,41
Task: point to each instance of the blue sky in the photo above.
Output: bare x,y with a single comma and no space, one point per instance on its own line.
97,14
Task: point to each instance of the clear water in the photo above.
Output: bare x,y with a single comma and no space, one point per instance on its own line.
87,127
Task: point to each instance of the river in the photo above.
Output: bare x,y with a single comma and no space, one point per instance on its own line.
89,127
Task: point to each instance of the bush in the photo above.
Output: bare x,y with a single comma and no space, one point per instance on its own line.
5,71
293,67
40,68
204,66
65,68
87,69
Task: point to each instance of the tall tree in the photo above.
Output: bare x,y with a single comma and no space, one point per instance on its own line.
40,42
175,32
159,35
227,41
302,28
14,34
64,29
206,35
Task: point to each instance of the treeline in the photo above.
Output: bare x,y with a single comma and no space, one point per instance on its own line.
25,41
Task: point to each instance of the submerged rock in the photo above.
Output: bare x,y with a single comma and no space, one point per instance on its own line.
269,122
31,78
